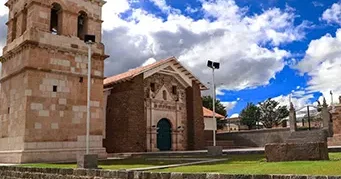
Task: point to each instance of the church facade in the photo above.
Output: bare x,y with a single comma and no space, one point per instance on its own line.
157,107
43,81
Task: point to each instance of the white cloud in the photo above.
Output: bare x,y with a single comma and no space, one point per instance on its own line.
3,9
162,5
191,10
299,99
229,105
317,4
234,115
322,62
111,11
333,14
149,61
247,46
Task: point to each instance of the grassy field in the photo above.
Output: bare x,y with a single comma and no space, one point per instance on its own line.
237,164
256,164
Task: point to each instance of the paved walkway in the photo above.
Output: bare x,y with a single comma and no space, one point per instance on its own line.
255,150
177,165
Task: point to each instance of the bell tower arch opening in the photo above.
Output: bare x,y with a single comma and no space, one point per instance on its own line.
14,27
56,19
24,20
82,24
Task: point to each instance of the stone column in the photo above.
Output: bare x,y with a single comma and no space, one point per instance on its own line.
292,118
326,118
339,99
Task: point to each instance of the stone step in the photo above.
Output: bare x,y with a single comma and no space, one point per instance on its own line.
226,144
307,136
335,140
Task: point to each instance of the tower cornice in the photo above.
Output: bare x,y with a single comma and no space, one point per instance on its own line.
9,3
31,43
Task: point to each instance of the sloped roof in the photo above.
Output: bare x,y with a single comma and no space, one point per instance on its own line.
129,75
209,113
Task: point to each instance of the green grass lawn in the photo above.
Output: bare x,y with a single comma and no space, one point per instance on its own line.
256,164
237,164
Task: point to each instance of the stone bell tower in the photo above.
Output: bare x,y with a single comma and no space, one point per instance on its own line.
43,92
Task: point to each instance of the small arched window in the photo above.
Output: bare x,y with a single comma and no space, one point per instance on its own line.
55,21
82,25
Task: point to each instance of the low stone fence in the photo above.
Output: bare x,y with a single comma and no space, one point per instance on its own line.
50,173
255,138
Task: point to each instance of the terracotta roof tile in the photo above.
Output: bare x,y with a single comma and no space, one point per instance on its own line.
209,113
137,71
134,72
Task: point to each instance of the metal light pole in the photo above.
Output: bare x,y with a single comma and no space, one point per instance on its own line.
214,120
89,40
308,117
213,66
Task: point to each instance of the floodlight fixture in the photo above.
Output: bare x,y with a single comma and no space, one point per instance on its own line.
89,39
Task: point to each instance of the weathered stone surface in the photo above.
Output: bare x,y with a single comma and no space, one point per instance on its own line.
40,82
262,177
334,177
176,176
256,138
308,136
317,177
194,176
296,151
281,177
215,150
89,161
212,176
298,177
47,173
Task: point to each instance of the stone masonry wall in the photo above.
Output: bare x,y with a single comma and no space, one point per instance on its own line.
13,97
125,121
195,120
43,82
47,173
336,116
255,138
61,116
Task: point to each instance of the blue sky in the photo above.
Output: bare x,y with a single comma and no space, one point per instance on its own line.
286,80
267,48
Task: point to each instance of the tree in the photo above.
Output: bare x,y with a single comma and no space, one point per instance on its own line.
250,115
271,114
207,102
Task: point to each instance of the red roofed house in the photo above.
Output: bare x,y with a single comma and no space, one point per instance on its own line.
210,124
157,107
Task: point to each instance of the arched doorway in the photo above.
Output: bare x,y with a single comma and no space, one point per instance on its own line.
164,135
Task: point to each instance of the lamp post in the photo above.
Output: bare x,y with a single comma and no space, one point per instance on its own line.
89,161
213,66
89,40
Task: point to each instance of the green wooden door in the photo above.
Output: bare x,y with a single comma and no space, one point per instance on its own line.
164,135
